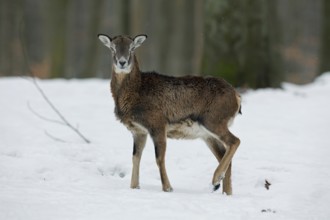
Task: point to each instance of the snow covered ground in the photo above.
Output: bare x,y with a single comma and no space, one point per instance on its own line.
284,139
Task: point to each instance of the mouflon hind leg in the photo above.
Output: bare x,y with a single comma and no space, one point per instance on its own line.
227,187
231,142
219,150
159,140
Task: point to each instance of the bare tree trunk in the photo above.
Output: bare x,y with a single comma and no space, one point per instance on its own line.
188,38
273,28
224,39
11,20
125,14
34,36
58,41
239,40
257,65
198,33
300,23
151,24
92,49
325,38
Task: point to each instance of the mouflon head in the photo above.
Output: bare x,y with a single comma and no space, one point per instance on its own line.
122,48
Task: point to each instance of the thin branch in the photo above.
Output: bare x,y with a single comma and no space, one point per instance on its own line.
31,73
63,119
43,117
54,138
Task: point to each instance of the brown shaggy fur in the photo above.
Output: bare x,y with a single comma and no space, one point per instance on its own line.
176,107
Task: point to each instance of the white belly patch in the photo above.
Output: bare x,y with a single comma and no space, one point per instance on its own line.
188,129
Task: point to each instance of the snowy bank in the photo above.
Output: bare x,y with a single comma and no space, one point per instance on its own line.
284,140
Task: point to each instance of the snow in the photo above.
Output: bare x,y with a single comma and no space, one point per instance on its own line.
284,139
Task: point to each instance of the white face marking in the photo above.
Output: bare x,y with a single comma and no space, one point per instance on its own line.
122,70
122,66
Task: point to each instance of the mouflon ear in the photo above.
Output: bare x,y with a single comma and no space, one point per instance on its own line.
138,40
105,39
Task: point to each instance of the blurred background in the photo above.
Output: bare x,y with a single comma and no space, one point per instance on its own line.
251,43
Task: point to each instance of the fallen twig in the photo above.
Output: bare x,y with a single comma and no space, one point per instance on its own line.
54,138
63,121
267,184
43,117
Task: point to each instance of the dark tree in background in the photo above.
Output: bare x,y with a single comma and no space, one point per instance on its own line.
223,39
242,42
11,56
58,28
301,33
251,43
261,63
325,38
175,30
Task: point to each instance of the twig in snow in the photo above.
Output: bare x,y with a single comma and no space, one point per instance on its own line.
268,211
43,117
54,138
34,81
267,184
63,121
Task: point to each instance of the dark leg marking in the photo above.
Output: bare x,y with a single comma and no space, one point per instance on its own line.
216,187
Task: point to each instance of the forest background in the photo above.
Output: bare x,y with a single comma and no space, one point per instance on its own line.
251,43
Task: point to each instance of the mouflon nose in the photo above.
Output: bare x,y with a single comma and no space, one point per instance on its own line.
122,63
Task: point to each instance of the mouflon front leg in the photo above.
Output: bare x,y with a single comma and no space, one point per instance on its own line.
139,143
